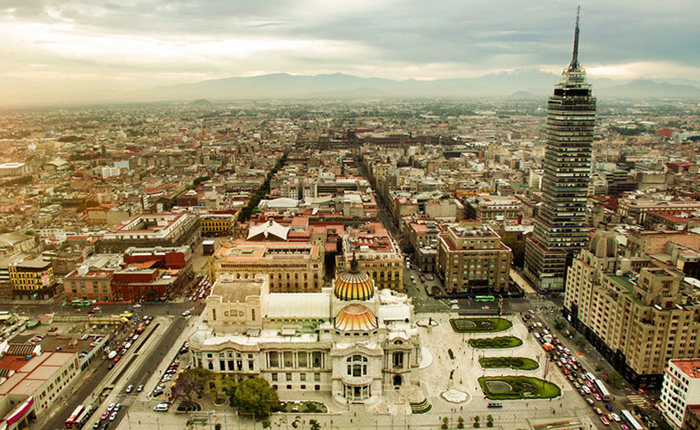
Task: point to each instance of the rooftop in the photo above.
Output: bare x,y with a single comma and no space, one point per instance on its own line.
690,367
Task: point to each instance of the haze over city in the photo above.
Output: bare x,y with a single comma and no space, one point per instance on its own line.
74,50
349,215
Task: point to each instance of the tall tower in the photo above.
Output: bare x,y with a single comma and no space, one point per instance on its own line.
560,230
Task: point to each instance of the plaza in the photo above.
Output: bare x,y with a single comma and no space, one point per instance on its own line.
394,411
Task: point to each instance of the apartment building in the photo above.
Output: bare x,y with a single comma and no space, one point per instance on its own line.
637,320
680,389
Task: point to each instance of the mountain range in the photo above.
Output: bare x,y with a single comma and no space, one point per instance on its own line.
522,84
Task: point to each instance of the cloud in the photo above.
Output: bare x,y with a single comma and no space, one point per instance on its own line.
151,40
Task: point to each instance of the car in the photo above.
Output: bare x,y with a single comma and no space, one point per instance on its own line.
485,307
624,427
96,309
129,388
104,427
104,415
454,302
605,421
454,307
598,411
161,407
96,425
110,407
137,305
586,389
495,405
113,416
616,417
156,393
597,396
139,388
117,358
187,313
117,407
608,406
53,329
111,366
590,401
581,392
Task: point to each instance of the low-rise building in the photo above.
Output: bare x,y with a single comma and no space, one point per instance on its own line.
292,266
32,279
149,230
217,224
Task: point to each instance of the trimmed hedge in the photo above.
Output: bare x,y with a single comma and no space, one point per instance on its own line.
521,363
496,342
480,325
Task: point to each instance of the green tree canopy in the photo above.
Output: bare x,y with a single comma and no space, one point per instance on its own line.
256,396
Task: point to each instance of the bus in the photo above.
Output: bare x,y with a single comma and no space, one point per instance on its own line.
628,419
484,298
602,390
79,302
83,417
73,418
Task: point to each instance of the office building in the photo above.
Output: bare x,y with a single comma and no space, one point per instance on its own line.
560,229
471,259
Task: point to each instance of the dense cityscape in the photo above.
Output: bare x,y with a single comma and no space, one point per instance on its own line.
337,263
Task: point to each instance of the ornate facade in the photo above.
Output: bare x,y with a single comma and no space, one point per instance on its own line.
350,341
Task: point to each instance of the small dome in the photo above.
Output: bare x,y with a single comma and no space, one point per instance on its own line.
353,284
355,317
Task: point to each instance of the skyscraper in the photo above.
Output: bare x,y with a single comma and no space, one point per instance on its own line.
560,230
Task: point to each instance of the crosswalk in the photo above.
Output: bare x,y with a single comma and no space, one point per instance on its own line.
638,401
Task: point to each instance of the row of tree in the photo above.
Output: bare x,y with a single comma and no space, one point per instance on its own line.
264,189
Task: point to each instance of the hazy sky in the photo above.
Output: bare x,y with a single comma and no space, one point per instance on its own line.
53,45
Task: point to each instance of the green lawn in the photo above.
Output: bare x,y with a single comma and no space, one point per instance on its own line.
496,342
517,387
480,325
521,363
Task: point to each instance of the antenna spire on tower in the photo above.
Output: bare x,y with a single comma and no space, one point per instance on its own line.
574,59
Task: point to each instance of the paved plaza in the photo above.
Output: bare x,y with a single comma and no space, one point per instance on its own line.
394,411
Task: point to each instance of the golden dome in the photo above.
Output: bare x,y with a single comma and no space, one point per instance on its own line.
355,317
353,284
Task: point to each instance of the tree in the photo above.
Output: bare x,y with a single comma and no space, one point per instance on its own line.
489,421
445,422
217,426
615,380
460,423
476,421
256,396
559,324
315,425
186,386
